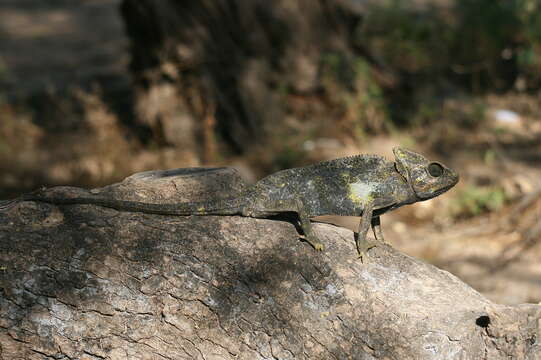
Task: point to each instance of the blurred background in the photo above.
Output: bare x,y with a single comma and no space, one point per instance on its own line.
92,91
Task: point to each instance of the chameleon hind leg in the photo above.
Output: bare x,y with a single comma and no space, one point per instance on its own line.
306,226
363,244
296,205
289,205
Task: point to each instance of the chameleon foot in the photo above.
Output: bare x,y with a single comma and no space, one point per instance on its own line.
363,247
315,244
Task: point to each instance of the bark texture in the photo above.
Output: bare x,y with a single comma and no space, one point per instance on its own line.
84,282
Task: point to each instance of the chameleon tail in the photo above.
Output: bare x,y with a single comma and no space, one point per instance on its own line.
6,205
230,206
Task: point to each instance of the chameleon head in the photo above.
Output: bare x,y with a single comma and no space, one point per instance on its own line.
427,178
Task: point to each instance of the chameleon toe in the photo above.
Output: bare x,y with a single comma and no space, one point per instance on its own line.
363,247
318,246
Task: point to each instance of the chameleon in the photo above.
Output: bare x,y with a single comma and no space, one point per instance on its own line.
360,185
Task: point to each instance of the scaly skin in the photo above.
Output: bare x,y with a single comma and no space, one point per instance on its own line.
362,185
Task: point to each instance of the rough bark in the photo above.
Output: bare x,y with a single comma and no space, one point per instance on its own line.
84,282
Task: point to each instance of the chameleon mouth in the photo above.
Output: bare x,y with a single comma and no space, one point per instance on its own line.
445,188
434,193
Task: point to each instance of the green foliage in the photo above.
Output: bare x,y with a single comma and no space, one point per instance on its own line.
403,39
474,200
484,28
484,44
528,50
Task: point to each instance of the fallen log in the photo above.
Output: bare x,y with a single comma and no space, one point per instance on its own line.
87,282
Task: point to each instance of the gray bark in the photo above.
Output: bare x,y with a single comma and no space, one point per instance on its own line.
85,282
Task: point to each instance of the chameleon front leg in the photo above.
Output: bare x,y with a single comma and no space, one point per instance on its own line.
376,227
363,245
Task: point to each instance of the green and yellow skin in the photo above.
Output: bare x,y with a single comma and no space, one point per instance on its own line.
362,185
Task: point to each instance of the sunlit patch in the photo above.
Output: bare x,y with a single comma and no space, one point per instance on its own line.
362,192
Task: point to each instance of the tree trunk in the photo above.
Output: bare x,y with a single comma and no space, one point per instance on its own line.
86,282
232,60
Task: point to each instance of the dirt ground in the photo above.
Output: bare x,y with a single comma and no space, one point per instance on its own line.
48,47
61,44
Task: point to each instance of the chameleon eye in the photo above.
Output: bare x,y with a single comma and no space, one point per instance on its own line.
435,169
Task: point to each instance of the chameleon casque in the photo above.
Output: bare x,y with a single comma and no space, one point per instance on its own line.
361,185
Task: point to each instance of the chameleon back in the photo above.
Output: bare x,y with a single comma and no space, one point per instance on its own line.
338,187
